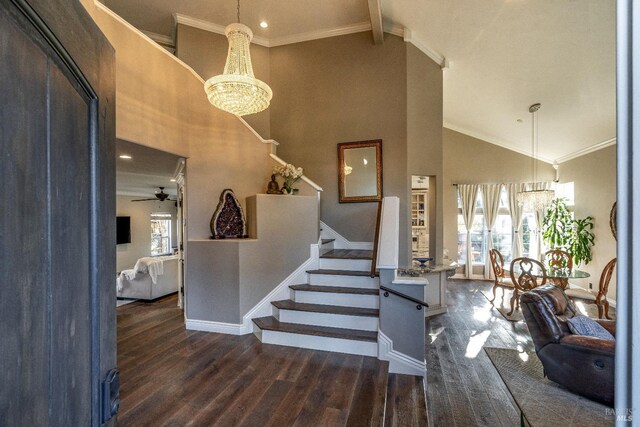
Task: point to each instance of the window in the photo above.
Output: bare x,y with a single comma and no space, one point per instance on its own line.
502,233
160,233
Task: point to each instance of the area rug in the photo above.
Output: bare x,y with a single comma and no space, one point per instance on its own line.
543,402
503,305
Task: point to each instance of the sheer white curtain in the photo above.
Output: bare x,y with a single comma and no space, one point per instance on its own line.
491,204
468,195
516,218
539,214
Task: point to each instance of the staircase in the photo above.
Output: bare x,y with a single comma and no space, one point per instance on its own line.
336,310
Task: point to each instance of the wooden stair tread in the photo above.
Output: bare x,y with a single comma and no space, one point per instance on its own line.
272,324
334,289
341,272
321,308
325,241
348,254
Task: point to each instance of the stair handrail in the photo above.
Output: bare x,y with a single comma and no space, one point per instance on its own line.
388,291
374,257
304,177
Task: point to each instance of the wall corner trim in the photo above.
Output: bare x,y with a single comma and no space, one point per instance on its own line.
399,363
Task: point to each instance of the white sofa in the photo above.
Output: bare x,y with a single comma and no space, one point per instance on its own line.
143,287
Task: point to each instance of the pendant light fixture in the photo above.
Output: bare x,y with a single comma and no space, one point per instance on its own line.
534,199
237,91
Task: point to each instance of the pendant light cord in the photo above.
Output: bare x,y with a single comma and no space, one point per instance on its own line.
534,143
238,11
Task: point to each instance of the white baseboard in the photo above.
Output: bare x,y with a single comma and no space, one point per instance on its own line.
341,242
282,291
210,326
399,363
263,308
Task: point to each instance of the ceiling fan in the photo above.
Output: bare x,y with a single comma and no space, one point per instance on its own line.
160,196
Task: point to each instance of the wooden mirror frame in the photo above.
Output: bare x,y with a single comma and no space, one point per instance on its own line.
360,144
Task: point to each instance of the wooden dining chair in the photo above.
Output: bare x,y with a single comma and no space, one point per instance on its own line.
599,297
501,280
526,278
557,259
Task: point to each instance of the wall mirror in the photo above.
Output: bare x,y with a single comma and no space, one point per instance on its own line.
360,171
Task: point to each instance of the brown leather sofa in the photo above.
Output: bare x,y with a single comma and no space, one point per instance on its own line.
584,365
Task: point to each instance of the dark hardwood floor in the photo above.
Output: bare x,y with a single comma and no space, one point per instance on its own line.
171,376
463,387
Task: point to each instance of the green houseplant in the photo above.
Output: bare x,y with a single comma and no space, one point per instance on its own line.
557,225
561,231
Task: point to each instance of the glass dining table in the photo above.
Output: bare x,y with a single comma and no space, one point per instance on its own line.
559,276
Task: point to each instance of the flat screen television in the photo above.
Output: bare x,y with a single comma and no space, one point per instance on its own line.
123,230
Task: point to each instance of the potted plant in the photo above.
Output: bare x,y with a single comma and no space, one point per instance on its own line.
561,231
291,175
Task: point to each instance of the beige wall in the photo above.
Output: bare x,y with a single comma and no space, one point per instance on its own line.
468,160
127,254
353,91
594,178
345,89
237,274
424,138
206,53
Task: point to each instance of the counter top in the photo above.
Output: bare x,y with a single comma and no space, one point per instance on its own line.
430,268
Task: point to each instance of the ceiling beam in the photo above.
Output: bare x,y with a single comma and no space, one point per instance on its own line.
375,13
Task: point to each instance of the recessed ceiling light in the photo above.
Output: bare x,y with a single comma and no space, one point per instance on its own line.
172,180
264,24
125,156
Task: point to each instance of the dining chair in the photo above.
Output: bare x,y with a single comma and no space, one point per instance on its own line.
500,279
526,278
557,259
599,297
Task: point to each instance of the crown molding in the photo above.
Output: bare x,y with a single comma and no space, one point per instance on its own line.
201,24
161,39
493,141
588,150
321,34
437,57
566,158
396,30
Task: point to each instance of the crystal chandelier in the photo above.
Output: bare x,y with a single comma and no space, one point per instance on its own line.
534,199
237,91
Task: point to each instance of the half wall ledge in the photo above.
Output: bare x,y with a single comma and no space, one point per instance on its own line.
226,278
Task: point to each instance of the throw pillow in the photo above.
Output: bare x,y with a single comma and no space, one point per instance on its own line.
583,325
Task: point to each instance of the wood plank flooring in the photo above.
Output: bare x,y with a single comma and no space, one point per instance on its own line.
463,387
171,376
174,377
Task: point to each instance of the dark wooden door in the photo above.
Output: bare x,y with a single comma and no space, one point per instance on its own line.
57,213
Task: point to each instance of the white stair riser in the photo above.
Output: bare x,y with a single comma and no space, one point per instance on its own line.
326,319
345,264
363,348
344,281
344,300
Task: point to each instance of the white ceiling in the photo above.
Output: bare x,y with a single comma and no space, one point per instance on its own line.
146,171
503,56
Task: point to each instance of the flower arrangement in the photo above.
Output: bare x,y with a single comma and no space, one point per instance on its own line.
291,174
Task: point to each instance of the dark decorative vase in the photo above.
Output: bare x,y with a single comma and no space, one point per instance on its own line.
228,221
